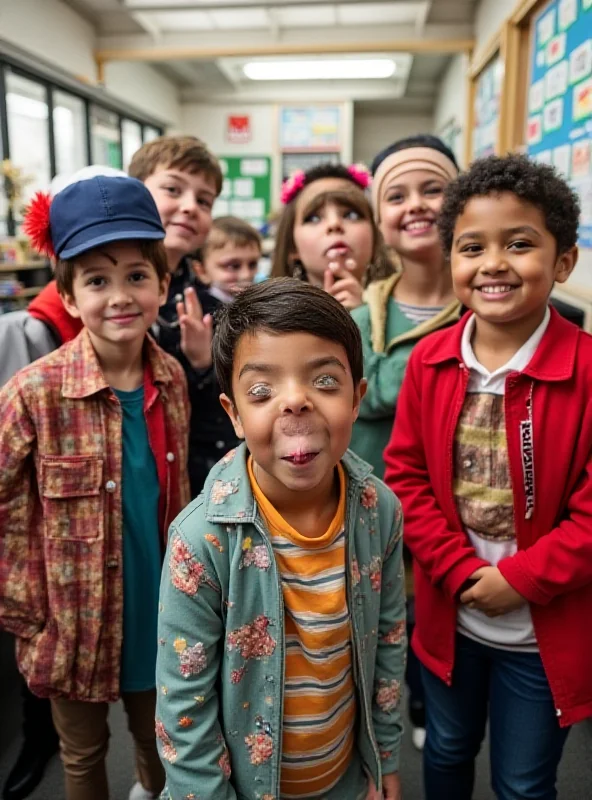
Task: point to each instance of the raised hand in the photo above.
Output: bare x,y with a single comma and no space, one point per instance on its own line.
196,330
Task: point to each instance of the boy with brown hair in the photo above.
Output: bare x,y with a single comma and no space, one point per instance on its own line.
184,179
229,258
93,448
282,622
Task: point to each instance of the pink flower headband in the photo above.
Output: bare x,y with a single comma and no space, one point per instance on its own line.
295,183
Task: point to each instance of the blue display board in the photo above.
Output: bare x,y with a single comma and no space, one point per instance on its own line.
559,126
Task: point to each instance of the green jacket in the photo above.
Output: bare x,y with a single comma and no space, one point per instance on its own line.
388,337
220,666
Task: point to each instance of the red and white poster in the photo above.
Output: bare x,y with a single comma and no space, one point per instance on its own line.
238,129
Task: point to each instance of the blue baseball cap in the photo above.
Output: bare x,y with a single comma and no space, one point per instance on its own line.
102,209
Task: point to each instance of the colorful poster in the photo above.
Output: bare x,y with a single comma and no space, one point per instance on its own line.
486,107
310,128
559,122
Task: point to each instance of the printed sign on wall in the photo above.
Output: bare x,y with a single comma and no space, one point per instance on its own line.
238,129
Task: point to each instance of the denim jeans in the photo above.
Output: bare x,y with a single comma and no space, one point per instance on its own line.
526,741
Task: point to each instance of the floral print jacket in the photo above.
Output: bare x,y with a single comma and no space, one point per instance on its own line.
220,668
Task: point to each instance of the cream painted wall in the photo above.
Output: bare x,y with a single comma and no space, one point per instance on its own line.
55,33
373,132
52,31
451,105
145,89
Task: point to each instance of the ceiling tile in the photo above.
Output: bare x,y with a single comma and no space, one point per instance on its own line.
380,13
181,20
307,17
241,19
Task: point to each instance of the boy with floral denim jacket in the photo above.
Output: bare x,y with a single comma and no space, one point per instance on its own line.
238,673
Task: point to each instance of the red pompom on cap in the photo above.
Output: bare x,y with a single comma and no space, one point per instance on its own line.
36,224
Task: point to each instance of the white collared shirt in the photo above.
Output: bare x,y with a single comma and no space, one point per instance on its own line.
512,631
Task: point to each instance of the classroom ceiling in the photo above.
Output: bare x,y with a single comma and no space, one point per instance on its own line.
202,46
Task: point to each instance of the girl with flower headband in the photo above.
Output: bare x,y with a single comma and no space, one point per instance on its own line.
407,193
327,234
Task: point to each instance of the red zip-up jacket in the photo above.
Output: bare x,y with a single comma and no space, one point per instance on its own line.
551,469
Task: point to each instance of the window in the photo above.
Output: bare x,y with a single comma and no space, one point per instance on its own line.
105,137
151,133
131,139
28,133
69,131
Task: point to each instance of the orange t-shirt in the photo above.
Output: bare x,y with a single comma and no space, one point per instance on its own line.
319,694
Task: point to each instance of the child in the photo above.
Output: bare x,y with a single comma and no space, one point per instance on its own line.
327,234
491,456
81,430
184,179
407,191
25,336
228,264
408,188
229,258
280,659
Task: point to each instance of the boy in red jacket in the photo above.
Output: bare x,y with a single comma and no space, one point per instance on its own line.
491,458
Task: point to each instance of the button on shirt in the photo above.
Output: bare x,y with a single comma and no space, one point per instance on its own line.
483,487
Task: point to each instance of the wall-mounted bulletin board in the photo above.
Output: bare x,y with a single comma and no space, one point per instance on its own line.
487,79
246,190
559,96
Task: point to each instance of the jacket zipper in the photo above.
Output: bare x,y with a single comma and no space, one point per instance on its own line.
355,643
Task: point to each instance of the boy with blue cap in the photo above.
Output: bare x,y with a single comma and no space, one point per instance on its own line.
93,447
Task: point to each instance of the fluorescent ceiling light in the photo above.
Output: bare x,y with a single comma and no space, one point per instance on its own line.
320,69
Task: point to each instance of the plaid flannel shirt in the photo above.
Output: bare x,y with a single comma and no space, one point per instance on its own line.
61,576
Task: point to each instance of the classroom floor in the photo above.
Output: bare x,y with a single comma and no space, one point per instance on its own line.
575,774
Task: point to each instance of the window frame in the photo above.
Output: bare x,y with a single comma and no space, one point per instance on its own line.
89,96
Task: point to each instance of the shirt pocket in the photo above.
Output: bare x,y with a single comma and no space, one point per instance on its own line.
72,497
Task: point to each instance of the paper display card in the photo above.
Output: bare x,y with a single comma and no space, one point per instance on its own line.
580,62
544,157
556,49
556,80
546,28
243,187
253,167
581,157
226,188
582,100
221,208
553,115
534,132
536,96
568,13
562,159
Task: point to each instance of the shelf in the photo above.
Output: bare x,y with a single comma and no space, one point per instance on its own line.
22,267
30,291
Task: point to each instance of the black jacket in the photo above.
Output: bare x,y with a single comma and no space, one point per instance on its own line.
211,434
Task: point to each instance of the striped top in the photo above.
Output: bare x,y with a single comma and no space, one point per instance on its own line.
319,694
418,314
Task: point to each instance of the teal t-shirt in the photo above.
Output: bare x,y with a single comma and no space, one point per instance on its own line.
142,558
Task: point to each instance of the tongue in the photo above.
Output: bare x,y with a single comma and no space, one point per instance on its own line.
302,458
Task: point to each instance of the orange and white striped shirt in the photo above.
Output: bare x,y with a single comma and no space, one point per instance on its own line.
319,695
